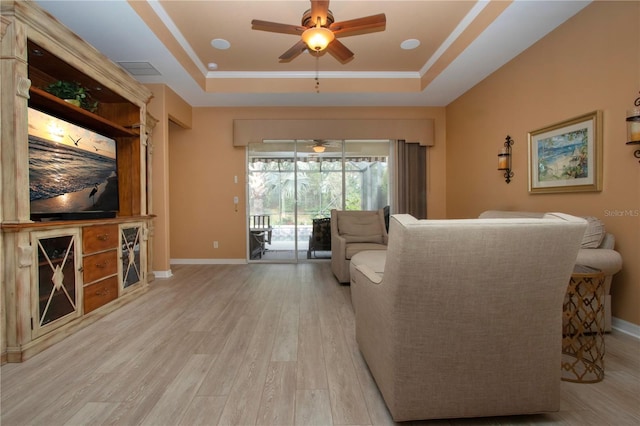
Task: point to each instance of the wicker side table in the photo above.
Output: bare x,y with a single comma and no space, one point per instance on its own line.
583,327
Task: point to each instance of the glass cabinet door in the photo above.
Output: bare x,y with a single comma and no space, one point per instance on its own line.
132,270
56,297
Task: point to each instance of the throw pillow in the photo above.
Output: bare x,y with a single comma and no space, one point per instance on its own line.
594,233
359,223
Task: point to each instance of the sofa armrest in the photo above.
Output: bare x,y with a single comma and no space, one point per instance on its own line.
339,262
608,261
340,243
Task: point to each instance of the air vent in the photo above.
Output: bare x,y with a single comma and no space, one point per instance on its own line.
139,68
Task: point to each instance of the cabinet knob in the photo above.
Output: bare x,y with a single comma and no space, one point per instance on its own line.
103,237
102,265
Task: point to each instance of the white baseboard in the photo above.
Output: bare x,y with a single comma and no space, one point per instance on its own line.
625,327
207,261
163,274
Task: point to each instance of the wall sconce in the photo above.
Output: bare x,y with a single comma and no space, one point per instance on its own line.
633,127
504,159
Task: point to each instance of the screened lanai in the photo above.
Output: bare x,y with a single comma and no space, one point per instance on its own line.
291,183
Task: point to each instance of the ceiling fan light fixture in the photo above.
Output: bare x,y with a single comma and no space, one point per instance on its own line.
318,148
317,38
318,31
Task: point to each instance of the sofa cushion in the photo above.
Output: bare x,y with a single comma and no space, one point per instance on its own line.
374,259
370,263
594,233
593,236
374,238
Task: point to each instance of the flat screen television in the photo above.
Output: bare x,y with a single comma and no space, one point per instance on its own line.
72,170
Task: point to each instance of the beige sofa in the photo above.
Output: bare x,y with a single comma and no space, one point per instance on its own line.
463,318
353,231
596,251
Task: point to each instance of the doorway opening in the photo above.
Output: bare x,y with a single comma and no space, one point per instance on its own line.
293,186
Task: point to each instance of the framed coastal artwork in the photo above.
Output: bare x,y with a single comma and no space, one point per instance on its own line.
567,156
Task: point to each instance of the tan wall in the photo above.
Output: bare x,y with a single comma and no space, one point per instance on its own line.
178,110
592,62
165,105
203,163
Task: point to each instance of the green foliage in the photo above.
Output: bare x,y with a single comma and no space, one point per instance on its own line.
74,91
273,191
578,167
318,192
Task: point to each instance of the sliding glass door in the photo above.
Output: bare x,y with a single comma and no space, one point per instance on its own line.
293,185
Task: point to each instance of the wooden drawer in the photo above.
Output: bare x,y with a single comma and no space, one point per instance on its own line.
99,265
99,238
100,293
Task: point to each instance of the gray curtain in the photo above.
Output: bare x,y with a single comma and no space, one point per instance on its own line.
412,179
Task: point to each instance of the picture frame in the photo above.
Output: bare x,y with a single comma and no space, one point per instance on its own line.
567,156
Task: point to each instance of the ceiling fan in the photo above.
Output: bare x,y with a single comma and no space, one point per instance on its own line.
319,145
319,31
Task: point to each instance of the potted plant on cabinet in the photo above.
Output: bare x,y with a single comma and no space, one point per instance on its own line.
74,93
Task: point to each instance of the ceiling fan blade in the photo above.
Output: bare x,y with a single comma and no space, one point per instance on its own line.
319,8
294,51
339,50
275,27
367,23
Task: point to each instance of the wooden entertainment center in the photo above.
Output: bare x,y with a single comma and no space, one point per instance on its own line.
60,275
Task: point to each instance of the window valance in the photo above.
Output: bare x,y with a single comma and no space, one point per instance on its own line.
314,159
255,131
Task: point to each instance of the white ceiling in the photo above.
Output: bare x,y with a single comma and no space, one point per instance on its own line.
459,47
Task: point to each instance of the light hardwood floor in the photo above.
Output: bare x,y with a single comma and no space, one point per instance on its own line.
250,344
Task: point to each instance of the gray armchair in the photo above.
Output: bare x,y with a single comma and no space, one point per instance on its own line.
463,318
353,231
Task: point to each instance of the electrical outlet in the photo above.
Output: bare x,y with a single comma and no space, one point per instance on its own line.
235,200
215,244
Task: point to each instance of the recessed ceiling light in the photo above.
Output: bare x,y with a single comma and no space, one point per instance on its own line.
212,66
220,43
409,44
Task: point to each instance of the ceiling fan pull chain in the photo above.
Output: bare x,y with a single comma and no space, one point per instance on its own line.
317,72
